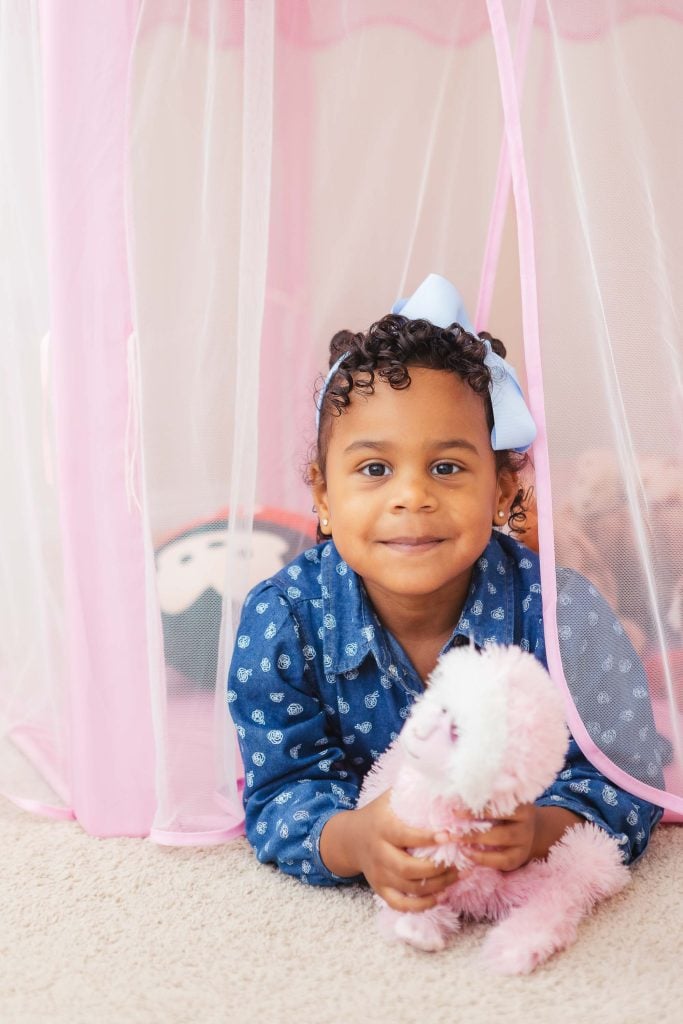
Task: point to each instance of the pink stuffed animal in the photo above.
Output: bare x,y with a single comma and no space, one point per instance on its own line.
489,732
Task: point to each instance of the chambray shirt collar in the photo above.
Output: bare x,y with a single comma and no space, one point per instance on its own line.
488,615
357,631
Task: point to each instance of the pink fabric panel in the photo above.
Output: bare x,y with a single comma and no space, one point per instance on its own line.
85,80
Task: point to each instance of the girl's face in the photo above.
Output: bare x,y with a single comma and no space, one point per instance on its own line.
411,487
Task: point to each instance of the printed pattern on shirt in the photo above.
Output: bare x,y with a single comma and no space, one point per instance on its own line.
318,689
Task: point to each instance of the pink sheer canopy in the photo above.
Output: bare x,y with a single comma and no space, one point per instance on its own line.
194,196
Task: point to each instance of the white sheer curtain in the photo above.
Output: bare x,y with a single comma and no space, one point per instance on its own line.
32,665
290,174
604,144
289,169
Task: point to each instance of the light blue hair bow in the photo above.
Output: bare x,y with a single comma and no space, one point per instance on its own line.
439,302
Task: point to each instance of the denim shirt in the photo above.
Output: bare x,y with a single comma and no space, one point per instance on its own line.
318,689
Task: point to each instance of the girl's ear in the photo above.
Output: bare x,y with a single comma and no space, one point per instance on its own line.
507,486
319,492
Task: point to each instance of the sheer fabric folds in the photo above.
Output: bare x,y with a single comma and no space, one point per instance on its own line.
601,125
34,749
193,198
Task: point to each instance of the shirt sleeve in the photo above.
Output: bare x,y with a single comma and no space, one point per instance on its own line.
607,681
582,789
296,775
609,687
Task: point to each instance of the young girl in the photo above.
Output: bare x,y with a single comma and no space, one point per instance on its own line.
420,433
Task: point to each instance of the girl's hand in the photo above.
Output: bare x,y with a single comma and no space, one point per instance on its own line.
526,835
374,842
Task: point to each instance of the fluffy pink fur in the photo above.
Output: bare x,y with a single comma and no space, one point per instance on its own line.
489,732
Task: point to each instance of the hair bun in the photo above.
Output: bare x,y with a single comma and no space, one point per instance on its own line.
496,344
340,343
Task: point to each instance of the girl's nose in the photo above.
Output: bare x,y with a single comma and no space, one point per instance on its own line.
413,492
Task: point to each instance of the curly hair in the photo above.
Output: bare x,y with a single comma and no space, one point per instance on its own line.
387,350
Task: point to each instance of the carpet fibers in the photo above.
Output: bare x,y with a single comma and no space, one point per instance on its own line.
121,930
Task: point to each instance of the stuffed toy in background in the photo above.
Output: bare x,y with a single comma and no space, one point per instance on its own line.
191,566
489,734
595,534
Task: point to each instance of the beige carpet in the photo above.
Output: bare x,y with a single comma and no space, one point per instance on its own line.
125,931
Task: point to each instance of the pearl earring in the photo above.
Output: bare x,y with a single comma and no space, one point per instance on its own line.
501,513
325,522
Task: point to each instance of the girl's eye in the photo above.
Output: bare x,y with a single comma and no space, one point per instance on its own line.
445,469
375,469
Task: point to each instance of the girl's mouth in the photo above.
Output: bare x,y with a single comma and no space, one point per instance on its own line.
412,545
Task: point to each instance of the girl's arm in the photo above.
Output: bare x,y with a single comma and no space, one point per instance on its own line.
582,789
579,793
610,690
296,776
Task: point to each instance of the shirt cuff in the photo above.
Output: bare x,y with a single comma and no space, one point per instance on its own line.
622,840
322,869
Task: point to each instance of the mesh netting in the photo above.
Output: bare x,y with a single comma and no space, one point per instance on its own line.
195,198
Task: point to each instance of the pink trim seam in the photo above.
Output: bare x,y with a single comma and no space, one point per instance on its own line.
109,723
46,810
214,837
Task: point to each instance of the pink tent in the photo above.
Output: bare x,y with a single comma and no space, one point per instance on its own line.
194,195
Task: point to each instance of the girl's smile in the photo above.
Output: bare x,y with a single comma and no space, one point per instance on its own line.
411,490
412,545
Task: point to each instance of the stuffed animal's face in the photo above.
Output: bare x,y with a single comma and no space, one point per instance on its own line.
196,562
489,730
457,742
191,579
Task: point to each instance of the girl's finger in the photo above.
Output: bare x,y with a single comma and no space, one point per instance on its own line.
422,887
502,859
455,837
404,865
406,837
406,904
499,835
